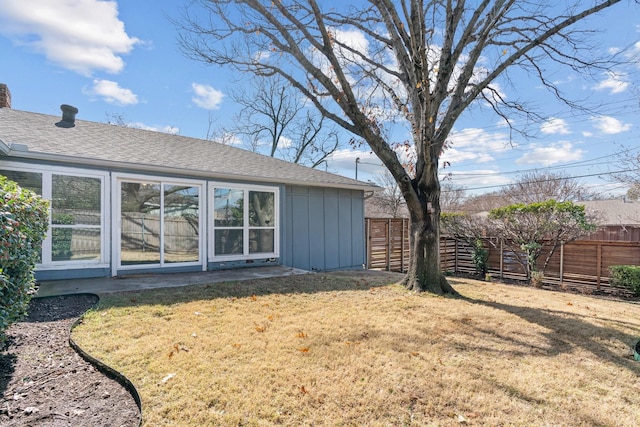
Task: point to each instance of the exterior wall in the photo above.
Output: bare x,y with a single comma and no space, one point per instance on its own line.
323,229
319,229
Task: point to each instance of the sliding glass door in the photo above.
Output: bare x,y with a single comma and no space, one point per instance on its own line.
159,223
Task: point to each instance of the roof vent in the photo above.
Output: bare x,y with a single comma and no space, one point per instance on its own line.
68,116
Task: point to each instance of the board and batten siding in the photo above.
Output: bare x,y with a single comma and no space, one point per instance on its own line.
323,229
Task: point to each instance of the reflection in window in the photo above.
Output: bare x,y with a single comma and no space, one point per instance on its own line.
228,207
234,236
29,180
181,224
78,244
140,223
76,209
261,209
261,241
75,200
228,242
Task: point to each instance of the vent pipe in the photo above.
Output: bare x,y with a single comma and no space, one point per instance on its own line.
68,116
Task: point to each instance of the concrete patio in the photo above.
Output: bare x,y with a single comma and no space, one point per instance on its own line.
104,285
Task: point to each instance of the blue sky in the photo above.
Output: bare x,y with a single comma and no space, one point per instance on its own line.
121,58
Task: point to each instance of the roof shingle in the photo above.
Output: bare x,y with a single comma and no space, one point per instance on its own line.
116,146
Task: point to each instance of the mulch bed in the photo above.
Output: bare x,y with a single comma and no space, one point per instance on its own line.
44,382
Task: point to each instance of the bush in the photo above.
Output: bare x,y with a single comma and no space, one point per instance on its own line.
23,224
627,276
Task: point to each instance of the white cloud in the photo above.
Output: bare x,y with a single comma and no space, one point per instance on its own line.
165,129
112,92
355,40
284,142
474,145
555,126
610,125
81,35
546,155
478,178
206,96
614,83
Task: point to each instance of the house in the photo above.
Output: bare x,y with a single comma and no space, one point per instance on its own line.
617,219
127,201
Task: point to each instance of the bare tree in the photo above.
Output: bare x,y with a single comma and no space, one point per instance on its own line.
388,201
275,119
540,186
421,62
629,170
483,202
451,197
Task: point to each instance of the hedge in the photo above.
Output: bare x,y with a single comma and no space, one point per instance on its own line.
24,219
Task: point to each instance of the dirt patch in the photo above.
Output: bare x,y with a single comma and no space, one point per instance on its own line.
44,382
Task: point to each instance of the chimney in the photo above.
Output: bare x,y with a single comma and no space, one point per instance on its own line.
68,116
5,96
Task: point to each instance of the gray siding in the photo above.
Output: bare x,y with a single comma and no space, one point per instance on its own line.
323,228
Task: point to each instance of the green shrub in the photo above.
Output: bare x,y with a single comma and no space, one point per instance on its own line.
627,276
23,224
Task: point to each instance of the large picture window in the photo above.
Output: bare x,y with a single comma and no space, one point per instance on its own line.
76,223
244,222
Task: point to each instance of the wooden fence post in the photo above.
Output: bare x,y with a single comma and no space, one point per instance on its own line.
368,242
388,244
598,264
501,259
402,234
561,263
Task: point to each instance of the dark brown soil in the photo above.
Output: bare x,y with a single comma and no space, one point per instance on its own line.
44,382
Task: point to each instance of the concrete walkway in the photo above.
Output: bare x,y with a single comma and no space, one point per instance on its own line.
150,281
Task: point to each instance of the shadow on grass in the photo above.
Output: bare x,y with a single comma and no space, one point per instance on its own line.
566,332
297,284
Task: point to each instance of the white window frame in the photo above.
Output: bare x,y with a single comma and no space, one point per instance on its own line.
116,189
47,173
213,257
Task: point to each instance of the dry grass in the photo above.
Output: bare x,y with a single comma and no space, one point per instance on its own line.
353,349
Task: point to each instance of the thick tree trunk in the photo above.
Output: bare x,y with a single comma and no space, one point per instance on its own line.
424,273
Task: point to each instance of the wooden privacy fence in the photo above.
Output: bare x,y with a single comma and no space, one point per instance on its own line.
579,263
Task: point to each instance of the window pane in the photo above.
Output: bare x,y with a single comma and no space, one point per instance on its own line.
261,241
261,209
140,223
228,242
29,180
75,200
75,244
181,243
228,207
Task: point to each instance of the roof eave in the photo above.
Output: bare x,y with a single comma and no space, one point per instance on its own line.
32,155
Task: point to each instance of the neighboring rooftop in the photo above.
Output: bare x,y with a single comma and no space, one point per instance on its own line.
615,211
35,136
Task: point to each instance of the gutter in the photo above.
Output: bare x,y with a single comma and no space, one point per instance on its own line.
22,151
4,148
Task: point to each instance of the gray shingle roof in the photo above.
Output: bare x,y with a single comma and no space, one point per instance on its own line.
34,135
614,211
